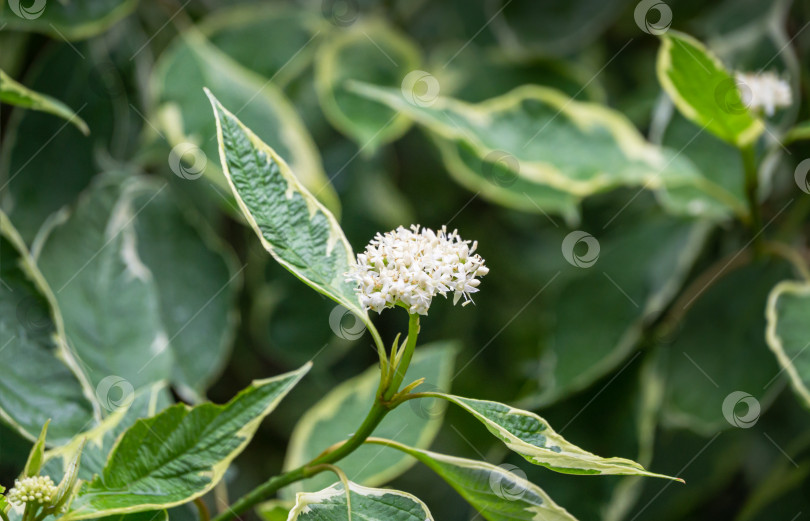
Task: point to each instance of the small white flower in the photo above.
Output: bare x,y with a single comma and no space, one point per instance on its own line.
36,489
765,91
410,266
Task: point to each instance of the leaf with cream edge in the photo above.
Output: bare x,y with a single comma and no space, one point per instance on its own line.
788,333
15,93
703,90
297,230
533,438
180,454
368,504
531,136
497,493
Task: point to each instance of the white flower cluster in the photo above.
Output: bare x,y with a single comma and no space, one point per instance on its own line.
410,266
37,489
765,91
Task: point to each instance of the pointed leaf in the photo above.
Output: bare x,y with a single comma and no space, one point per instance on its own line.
703,90
15,93
292,225
788,333
368,504
497,493
35,457
180,454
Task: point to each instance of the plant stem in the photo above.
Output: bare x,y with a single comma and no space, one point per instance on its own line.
752,188
202,509
378,410
3,516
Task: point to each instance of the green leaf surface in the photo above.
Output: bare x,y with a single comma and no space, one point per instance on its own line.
537,135
703,90
90,257
159,515
371,52
292,225
497,493
274,510
15,93
337,415
192,63
180,454
725,322
72,20
788,333
35,457
367,504
533,438
197,278
46,382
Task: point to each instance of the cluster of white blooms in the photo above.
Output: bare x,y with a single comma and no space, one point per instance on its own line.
37,489
410,266
765,91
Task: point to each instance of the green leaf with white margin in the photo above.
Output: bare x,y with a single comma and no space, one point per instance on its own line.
703,90
538,135
74,20
533,438
180,454
368,504
368,51
337,415
788,333
15,93
497,493
99,441
197,279
292,225
190,64
90,257
46,381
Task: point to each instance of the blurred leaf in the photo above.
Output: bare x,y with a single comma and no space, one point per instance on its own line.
289,38
74,20
371,504
161,515
292,225
370,52
703,90
197,279
800,132
725,323
180,454
192,63
90,257
543,137
40,379
496,492
17,94
533,438
337,415
788,315
274,510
